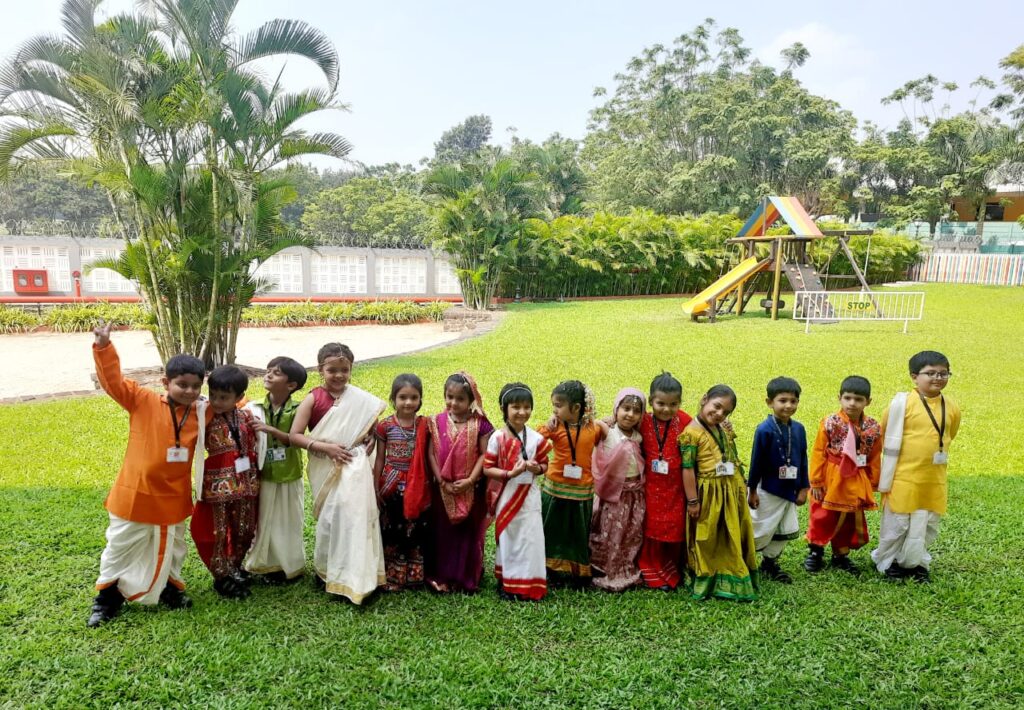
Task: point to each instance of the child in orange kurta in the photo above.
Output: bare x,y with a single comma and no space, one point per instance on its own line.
152,496
844,471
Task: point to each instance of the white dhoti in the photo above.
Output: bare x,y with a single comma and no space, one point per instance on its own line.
278,545
775,524
349,551
904,539
142,559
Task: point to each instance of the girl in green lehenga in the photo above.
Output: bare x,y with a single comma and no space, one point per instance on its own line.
720,535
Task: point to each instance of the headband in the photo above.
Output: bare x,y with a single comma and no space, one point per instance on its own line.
518,388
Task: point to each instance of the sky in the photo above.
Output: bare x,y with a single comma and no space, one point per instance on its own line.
410,70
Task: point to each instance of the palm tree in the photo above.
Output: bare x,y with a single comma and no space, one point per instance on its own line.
483,208
163,111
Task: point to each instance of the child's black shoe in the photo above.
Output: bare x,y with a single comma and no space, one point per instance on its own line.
894,572
920,574
276,578
770,570
230,588
844,563
815,560
174,598
105,606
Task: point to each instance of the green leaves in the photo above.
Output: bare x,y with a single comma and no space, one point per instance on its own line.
279,37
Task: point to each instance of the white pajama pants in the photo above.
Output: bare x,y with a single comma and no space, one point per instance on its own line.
278,546
904,539
142,559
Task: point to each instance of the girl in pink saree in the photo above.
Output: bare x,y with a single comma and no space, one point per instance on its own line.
458,512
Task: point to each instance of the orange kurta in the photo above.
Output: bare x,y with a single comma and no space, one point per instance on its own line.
148,489
852,492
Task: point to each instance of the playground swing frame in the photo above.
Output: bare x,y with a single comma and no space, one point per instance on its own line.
732,290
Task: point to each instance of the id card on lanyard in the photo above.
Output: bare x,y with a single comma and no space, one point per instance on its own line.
177,453
940,457
572,471
660,465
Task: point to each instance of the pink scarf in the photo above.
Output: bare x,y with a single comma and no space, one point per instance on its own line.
610,467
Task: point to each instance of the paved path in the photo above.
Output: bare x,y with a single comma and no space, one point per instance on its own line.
47,363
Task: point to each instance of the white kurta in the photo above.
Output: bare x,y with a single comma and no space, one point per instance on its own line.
349,552
142,559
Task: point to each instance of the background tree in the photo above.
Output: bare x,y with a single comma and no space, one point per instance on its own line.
370,211
483,209
463,141
163,111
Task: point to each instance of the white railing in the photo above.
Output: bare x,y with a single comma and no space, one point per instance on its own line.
834,306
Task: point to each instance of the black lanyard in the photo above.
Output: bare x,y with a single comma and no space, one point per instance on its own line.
568,436
789,437
236,434
276,422
940,430
662,438
523,442
178,424
719,441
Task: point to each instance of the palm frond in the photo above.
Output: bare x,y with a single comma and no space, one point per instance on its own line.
279,37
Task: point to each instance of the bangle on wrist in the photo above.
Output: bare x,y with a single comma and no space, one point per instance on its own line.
692,501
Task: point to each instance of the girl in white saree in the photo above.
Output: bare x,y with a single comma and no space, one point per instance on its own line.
349,554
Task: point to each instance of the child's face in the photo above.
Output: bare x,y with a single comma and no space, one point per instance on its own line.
518,413
336,371
665,405
563,410
931,380
853,405
457,401
628,415
183,389
715,410
784,405
223,401
277,382
407,401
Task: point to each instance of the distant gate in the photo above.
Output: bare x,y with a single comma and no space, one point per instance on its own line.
834,306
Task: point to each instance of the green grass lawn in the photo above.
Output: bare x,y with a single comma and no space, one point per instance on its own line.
827,641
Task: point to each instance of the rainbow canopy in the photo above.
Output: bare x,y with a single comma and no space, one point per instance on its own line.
774,208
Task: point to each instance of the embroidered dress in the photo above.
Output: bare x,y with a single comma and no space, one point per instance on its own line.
567,503
403,538
662,553
519,561
849,487
720,543
348,555
455,554
914,507
617,528
151,497
777,446
224,519
278,546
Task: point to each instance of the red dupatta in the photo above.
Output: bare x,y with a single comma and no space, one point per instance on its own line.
417,482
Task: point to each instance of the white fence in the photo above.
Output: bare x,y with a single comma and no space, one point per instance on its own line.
835,306
294,272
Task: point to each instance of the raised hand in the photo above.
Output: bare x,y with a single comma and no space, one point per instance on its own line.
102,333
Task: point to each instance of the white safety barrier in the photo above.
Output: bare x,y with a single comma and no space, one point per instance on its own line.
834,306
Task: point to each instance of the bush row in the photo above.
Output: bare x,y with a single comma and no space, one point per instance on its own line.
81,318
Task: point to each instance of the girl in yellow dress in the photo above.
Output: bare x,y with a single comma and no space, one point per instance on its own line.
720,534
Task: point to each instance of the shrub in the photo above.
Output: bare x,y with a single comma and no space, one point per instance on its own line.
15,320
83,317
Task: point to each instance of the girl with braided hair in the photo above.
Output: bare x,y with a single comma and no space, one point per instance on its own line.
567,491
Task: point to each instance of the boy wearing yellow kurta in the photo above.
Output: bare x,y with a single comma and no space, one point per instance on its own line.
918,427
152,496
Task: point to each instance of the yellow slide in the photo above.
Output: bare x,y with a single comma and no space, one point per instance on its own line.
737,275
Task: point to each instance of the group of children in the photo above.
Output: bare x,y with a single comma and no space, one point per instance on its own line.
649,496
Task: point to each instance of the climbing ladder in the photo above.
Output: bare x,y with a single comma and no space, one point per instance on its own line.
804,277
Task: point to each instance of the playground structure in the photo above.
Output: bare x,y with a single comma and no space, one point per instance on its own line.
787,254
